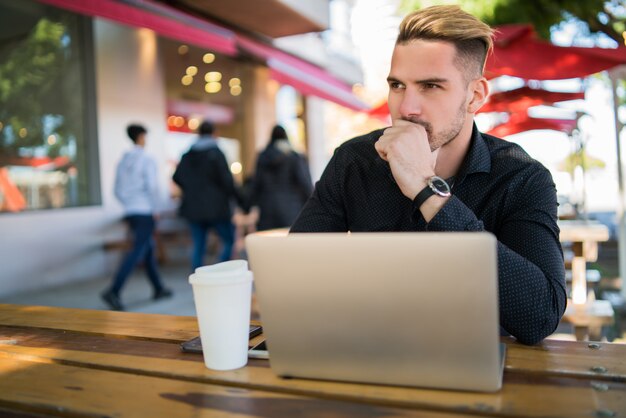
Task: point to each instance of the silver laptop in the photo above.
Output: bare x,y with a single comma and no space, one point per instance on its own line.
409,309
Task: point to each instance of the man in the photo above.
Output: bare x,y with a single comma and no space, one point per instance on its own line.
137,188
434,171
208,190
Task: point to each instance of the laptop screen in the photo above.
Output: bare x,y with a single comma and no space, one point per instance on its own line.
417,309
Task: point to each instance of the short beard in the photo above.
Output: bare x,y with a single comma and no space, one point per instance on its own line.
439,139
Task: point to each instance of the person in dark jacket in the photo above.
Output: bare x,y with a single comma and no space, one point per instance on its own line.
208,193
282,182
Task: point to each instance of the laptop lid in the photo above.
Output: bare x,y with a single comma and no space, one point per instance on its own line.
411,309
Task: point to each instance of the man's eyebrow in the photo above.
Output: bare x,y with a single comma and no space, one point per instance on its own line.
434,80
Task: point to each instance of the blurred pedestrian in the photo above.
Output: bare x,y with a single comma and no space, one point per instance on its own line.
282,182
208,194
137,188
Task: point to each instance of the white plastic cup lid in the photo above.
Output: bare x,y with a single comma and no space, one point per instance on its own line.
225,267
225,273
209,280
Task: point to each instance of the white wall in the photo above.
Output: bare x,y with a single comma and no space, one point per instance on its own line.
44,248
49,247
130,89
316,136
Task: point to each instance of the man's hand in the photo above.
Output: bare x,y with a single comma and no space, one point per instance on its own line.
405,147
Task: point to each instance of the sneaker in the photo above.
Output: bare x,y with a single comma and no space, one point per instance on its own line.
112,300
162,293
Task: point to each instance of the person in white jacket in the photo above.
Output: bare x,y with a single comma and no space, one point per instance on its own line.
137,188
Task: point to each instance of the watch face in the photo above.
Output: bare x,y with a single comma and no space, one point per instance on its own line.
439,186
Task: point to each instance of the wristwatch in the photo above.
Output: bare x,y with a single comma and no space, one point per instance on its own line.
436,185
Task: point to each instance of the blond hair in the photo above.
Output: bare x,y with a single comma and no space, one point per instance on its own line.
472,38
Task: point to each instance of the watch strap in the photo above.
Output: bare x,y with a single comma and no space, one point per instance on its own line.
422,196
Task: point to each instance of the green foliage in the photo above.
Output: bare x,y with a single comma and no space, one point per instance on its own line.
603,16
582,159
30,74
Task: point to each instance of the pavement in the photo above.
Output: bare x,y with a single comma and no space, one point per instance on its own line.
136,294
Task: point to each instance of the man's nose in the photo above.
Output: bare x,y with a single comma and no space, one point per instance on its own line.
411,104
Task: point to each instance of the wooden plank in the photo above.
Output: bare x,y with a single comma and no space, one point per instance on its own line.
62,390
580,231
522,394
593,360
551,357
121,324
594,313
5,413
71,340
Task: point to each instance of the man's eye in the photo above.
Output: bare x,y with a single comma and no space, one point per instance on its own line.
395,85
431,86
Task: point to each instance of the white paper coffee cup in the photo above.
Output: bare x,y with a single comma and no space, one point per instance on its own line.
222,295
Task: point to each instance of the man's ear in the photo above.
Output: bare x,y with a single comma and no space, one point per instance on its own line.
479,92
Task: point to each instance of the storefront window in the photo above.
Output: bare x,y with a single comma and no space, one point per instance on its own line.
46,99
204,85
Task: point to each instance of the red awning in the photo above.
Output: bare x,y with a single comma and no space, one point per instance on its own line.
522,123
303,76
160,18
174,24
519,100
518,52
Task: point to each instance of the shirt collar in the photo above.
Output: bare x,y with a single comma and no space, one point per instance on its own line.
478,158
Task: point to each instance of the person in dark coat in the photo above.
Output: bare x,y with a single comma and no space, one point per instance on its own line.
282,182
208,194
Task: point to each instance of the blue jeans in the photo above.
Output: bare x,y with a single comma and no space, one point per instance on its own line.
199,230
142,228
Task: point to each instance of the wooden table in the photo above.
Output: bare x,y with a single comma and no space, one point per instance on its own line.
584,236
589,319
86,363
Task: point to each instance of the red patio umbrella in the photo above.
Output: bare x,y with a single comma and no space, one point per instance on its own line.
519,100
520,53
521,122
